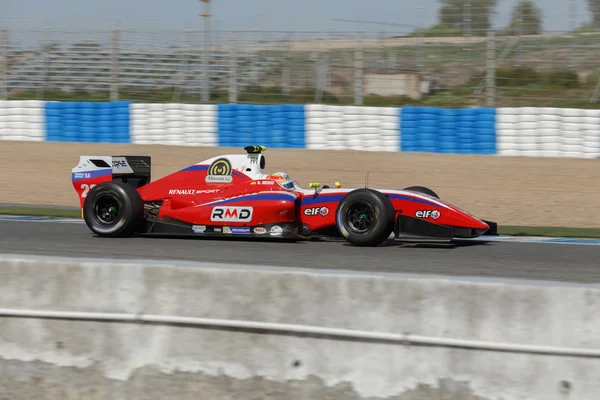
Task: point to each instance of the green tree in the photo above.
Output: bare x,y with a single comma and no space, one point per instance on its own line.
457,13
526,19
594,7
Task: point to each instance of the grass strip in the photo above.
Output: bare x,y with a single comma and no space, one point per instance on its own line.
550,231
40,212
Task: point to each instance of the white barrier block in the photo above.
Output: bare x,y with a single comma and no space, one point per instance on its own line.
22,120
350,127
174,124
507,135
530,131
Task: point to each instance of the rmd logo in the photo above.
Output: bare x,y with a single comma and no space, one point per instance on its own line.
232,214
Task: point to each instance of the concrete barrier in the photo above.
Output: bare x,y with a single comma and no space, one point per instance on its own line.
90,359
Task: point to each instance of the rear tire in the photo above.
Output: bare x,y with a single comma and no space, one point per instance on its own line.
113,209
422,189
365,217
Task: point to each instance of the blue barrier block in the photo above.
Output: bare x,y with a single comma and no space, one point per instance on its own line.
460,131
88,122
279,126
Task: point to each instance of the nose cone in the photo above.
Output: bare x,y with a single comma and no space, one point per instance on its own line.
470,227
479,224
476,228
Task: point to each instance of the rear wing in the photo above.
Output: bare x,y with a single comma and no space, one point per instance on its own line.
92,170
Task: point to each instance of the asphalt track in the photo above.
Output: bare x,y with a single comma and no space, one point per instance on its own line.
504,259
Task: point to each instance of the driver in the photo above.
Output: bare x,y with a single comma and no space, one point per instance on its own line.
282,178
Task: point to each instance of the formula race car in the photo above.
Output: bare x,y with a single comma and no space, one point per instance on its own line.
232,195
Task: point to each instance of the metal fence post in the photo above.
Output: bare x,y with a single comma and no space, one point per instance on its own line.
572,27
287,64
114,65
358,72
4,64
421,44
233,92
206,60
45,79
491,69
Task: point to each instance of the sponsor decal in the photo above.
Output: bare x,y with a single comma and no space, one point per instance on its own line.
219,172
231,214
220,167
226,229
120,165
260,231
83,175
182,191
276,231
323,211
434,214
240,230
199,228
216,229
253,159
192,191
218,179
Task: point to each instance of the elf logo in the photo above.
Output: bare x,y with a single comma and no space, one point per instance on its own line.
324,211
232,214
434,214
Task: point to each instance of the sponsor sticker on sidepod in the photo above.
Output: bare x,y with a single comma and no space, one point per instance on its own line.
199,228
276,231
240,230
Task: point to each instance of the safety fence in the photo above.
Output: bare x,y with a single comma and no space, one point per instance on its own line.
389,65
526,131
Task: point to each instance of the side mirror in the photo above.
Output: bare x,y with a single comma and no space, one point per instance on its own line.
317,187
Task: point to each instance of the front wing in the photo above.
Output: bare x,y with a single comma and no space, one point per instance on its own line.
409,226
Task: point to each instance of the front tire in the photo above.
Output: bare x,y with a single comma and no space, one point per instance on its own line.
113,209
365,217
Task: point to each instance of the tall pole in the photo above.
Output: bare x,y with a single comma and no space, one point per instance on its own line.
491,69
4,64
572,25
206,20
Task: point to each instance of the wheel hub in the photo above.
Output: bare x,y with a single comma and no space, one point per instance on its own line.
107,209
360,217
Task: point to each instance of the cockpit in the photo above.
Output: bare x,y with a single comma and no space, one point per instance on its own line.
283,179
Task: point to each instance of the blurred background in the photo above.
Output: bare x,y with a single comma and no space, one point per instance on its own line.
447,53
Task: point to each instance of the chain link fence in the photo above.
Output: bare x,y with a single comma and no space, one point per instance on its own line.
441,66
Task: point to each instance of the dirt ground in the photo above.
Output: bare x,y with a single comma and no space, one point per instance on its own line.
509,190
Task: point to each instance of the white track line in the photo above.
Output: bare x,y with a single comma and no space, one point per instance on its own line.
510,239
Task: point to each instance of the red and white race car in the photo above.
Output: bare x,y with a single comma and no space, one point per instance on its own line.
232,195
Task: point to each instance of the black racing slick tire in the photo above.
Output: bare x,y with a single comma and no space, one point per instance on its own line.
113,209
365,217
422,189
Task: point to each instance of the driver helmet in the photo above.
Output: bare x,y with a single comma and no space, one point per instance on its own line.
282,178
